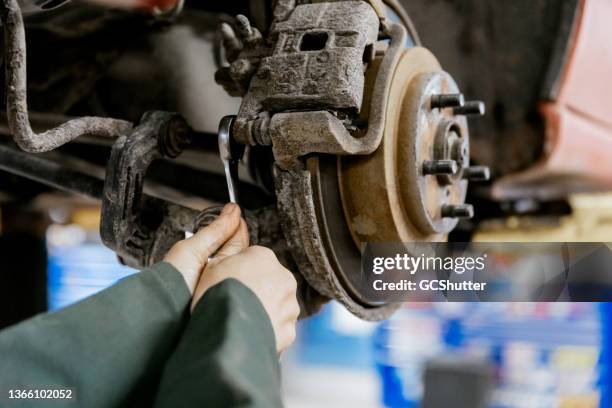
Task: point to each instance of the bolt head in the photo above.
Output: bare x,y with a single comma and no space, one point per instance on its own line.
477,173
440,167
462,211
442,101
471,108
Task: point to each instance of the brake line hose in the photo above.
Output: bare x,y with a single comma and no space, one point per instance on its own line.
16,96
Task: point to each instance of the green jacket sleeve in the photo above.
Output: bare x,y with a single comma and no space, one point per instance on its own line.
226,356
109,348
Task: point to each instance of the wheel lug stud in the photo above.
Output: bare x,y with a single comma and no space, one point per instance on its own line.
471,108
458,211
447,101
440,167
477,173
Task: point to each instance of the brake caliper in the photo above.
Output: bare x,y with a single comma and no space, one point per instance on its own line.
368,133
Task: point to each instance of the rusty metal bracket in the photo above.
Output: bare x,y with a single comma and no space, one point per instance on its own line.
313,74
316,61
326,133
139,228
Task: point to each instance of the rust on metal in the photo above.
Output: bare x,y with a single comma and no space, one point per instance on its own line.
402,203
16,96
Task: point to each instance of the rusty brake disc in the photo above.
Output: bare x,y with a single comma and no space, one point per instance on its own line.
396,194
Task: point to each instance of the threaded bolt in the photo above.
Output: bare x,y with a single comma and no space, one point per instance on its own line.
458,211
477,173
440,167
447,101
471,108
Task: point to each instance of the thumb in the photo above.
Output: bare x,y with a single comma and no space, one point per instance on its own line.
208,240
189,256
235,244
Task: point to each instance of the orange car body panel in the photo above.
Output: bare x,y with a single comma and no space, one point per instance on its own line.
578,142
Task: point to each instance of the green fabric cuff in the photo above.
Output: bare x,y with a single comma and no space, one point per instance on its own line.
172,280
226,356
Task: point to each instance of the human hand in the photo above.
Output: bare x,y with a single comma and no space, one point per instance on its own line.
190,256
258,269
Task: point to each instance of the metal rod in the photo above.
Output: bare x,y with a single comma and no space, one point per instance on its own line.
41,122
52,174
47,172
16,95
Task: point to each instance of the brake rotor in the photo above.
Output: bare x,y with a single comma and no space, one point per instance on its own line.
387,197
410,190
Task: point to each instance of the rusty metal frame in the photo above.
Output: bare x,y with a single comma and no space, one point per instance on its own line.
138,229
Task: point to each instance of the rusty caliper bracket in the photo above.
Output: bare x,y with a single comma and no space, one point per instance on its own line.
313,70
140,228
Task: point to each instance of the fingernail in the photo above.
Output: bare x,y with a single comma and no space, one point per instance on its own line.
228,209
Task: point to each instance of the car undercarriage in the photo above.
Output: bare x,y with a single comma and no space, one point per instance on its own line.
346,122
